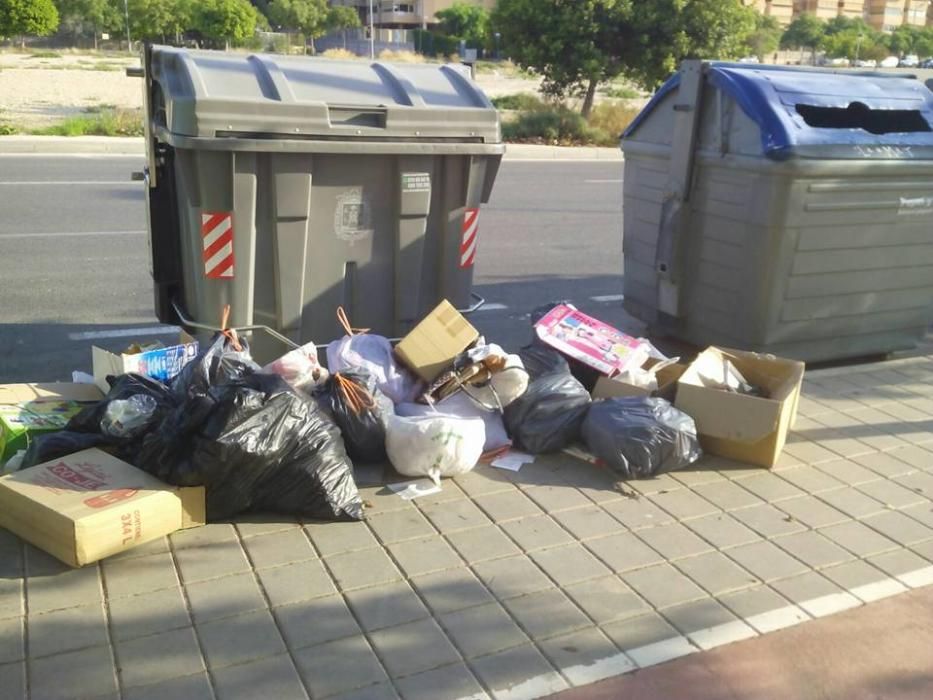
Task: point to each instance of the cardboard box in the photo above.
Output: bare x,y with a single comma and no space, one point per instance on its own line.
737,426
432,345
90,505
608,388
161,364
27,410
590,341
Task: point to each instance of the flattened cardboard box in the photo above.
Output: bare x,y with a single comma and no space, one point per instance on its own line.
608,388
27,410
432,345
161,364
745,428
90,505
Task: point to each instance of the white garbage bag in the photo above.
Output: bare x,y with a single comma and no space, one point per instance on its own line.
434,445
299,368
460,405
373,353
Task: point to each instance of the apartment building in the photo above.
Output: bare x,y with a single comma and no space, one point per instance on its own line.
405,14
781,10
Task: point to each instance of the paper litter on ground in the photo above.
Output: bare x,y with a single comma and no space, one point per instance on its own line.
409,490
513,460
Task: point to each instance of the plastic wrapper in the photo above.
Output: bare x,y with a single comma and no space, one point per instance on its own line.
505,385
360,411
726,377
373,354
124,388
640,437
218,364
128,417
299,368
547,417
461,406
434,445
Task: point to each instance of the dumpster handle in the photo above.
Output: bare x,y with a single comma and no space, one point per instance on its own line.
478,302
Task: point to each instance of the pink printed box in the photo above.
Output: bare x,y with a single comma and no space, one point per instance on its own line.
590,341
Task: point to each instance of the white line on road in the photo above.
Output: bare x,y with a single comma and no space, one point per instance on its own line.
602,182
609,297
66,183
70,234
492,307
124,333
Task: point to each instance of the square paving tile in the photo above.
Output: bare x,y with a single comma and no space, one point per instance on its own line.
813,549
855,574
279,548
915,456
338,666
884,463
159,657
513,576
586,656
623,552
125,577
483,480
503,671
238,594
295,582
673,541
763,609
684,504
362,569
707,623
482,543
236,640
766,561
852,502
413,647
424,556
767,520
451,590
11,598
656,484
86,673
386,606
892,494
149,613
771,487
482,630
898,562
273,677
637,513
315,622
810,480
193,687
899,527
253,524
922,513
454,681
606,599
663,586
456,516
595,483
816,594
536,532
859,539
693,477
340,538
716,573
65,630
547,613
569,564
723,531
509,505
65,589
400,525
380,691
849,472
211,554
555,498
812,512
728,495
588,522
640,631
919,482
11,640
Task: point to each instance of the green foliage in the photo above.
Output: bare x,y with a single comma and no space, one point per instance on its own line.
805,32
467,22
8,130
341,17
558,125
612,119
765,38
83,18
27,17
623,92
157,19
106,121
307,16
908,39
525,101
853,38
225,20
44,54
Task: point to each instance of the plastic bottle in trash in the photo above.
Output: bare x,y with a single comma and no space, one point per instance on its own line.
127,417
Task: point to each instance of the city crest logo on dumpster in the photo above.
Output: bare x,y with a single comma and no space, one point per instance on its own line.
353,216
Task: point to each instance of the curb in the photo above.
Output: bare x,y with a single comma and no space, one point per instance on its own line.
129,145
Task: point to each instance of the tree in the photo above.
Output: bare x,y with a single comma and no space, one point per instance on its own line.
225,20
158,19
805,32
340,18
306,16
765,38
27,18
905,39
82,18
469,23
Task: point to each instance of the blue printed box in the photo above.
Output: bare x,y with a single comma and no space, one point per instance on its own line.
161,364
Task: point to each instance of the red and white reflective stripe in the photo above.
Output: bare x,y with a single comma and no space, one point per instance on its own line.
217,239
468,242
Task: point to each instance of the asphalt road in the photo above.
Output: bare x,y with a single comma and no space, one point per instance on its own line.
74,265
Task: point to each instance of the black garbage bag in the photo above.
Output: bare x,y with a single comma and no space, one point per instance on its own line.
45,448
639,437
123,388
255,444
357,407
547,417
219,363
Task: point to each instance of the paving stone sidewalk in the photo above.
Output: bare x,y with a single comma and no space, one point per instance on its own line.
505,585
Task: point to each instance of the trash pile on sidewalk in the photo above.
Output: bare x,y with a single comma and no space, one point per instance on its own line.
210,434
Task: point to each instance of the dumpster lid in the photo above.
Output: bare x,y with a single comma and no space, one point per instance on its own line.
220,94
812,112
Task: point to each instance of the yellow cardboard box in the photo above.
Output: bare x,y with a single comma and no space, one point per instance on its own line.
432,345
745,428
90,505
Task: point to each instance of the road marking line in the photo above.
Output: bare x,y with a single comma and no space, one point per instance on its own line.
124,333
603,182
492,307
608,297
69,183
69,234
719,635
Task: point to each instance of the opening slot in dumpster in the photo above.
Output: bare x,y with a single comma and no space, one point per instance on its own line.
858,115
353,116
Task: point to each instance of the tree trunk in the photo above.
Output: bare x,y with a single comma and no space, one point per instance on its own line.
22,42
590,97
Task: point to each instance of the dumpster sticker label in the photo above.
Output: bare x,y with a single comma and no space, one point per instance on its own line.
353,217
217,241
416,182
915,205
468,241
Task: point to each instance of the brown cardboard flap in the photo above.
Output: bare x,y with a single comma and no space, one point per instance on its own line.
432,345
61,391
193,506
726,415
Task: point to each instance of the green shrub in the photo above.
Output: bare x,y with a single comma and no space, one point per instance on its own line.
8,130
612,119
98,121
44,54
623,92
557,125
525,101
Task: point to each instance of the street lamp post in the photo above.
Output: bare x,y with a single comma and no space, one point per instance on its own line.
498,36
126,14
372,33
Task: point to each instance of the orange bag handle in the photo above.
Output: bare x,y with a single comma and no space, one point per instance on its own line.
345,322
230,333
357,398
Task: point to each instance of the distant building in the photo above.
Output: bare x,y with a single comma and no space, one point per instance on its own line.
405,14
781,10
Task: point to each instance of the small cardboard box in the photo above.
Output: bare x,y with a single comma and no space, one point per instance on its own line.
737,426
27,410
90,505
432,345
590,341
161,363
607,388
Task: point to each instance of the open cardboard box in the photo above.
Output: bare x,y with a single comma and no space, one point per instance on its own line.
745,428
161,364
90,505
612,387
431,346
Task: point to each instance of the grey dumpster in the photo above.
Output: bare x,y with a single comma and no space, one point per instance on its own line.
288,186
782,210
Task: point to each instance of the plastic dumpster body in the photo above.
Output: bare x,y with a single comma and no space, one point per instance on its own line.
288,186
782,210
